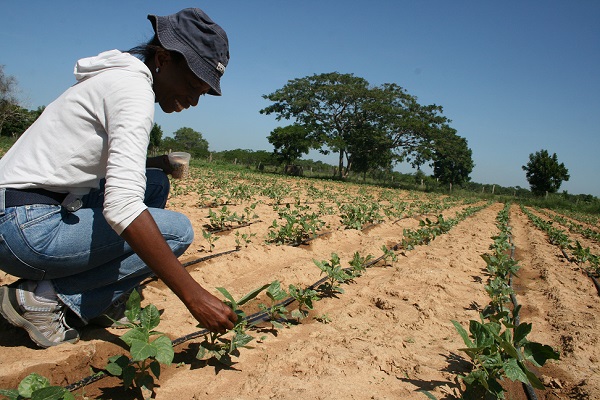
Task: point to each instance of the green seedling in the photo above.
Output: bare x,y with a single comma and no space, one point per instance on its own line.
245,238
216,345
297,225
146,355
37,387
211,239
498,354
335,275
305,299
358,265
275,311
388,255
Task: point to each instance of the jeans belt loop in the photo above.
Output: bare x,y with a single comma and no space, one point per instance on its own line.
2,203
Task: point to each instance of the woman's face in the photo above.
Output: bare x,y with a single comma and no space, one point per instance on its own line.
176,87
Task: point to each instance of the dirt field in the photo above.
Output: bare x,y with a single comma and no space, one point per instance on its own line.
388,336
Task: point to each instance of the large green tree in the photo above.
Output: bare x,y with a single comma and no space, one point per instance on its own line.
452,158
329,106
342,113
544,173
290,143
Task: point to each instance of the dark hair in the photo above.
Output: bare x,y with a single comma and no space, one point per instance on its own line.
146,51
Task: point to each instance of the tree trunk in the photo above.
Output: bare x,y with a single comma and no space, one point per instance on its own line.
341,165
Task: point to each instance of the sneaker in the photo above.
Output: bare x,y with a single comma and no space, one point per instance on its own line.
115,312
43,321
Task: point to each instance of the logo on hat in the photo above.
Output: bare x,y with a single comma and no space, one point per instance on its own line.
221,68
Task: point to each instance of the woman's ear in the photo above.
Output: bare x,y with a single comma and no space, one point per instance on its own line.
161,58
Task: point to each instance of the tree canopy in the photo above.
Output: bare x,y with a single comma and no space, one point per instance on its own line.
368,127
290,143
187,139
544,173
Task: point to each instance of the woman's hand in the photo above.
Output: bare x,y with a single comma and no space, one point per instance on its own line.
145,239
211,312
160,162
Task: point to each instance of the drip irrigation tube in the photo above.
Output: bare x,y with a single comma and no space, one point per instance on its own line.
529,391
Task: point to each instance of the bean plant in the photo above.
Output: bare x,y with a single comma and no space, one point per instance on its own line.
305,298
336,275
37,387
498,353
275,310
146,355
215,345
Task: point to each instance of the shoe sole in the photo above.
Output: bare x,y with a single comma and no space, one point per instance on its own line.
11,315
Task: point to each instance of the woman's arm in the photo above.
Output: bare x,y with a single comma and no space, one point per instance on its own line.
145,239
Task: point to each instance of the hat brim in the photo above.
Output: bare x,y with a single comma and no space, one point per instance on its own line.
199,66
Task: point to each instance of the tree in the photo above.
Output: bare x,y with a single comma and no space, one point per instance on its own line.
9,105
342,114
155,138
544,173
452,158
189,140
290,143
329,106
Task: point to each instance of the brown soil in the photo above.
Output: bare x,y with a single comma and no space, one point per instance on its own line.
388,336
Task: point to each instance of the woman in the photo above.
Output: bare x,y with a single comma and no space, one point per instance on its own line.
82,221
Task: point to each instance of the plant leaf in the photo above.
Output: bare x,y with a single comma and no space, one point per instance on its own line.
141,350
50,393
521,333
463,333
134,334
164,350
133,307
31,383
513,371
155,368
538,353
252,295
150,317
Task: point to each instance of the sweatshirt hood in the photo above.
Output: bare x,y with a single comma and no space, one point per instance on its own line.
112,59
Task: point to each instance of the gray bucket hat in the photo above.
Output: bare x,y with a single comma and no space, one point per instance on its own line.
202,42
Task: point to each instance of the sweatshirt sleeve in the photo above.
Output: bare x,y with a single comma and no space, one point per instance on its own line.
129,113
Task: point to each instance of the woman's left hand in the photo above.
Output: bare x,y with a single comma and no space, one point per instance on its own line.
161,162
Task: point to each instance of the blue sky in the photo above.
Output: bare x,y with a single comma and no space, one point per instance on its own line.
514,77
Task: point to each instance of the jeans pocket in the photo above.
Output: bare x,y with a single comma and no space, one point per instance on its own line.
13,265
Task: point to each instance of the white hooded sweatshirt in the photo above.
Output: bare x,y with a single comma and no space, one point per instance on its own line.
98,128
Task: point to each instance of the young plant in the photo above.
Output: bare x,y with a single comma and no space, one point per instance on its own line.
358,265
211,239
35,386
298,225
305,299
216,345
497,354
146,355
388,255
275,311
335,275
246,238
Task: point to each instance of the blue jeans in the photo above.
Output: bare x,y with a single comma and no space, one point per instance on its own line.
89,265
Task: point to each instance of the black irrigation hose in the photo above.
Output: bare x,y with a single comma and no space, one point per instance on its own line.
529,391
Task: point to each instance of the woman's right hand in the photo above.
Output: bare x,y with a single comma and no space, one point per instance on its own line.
211,312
